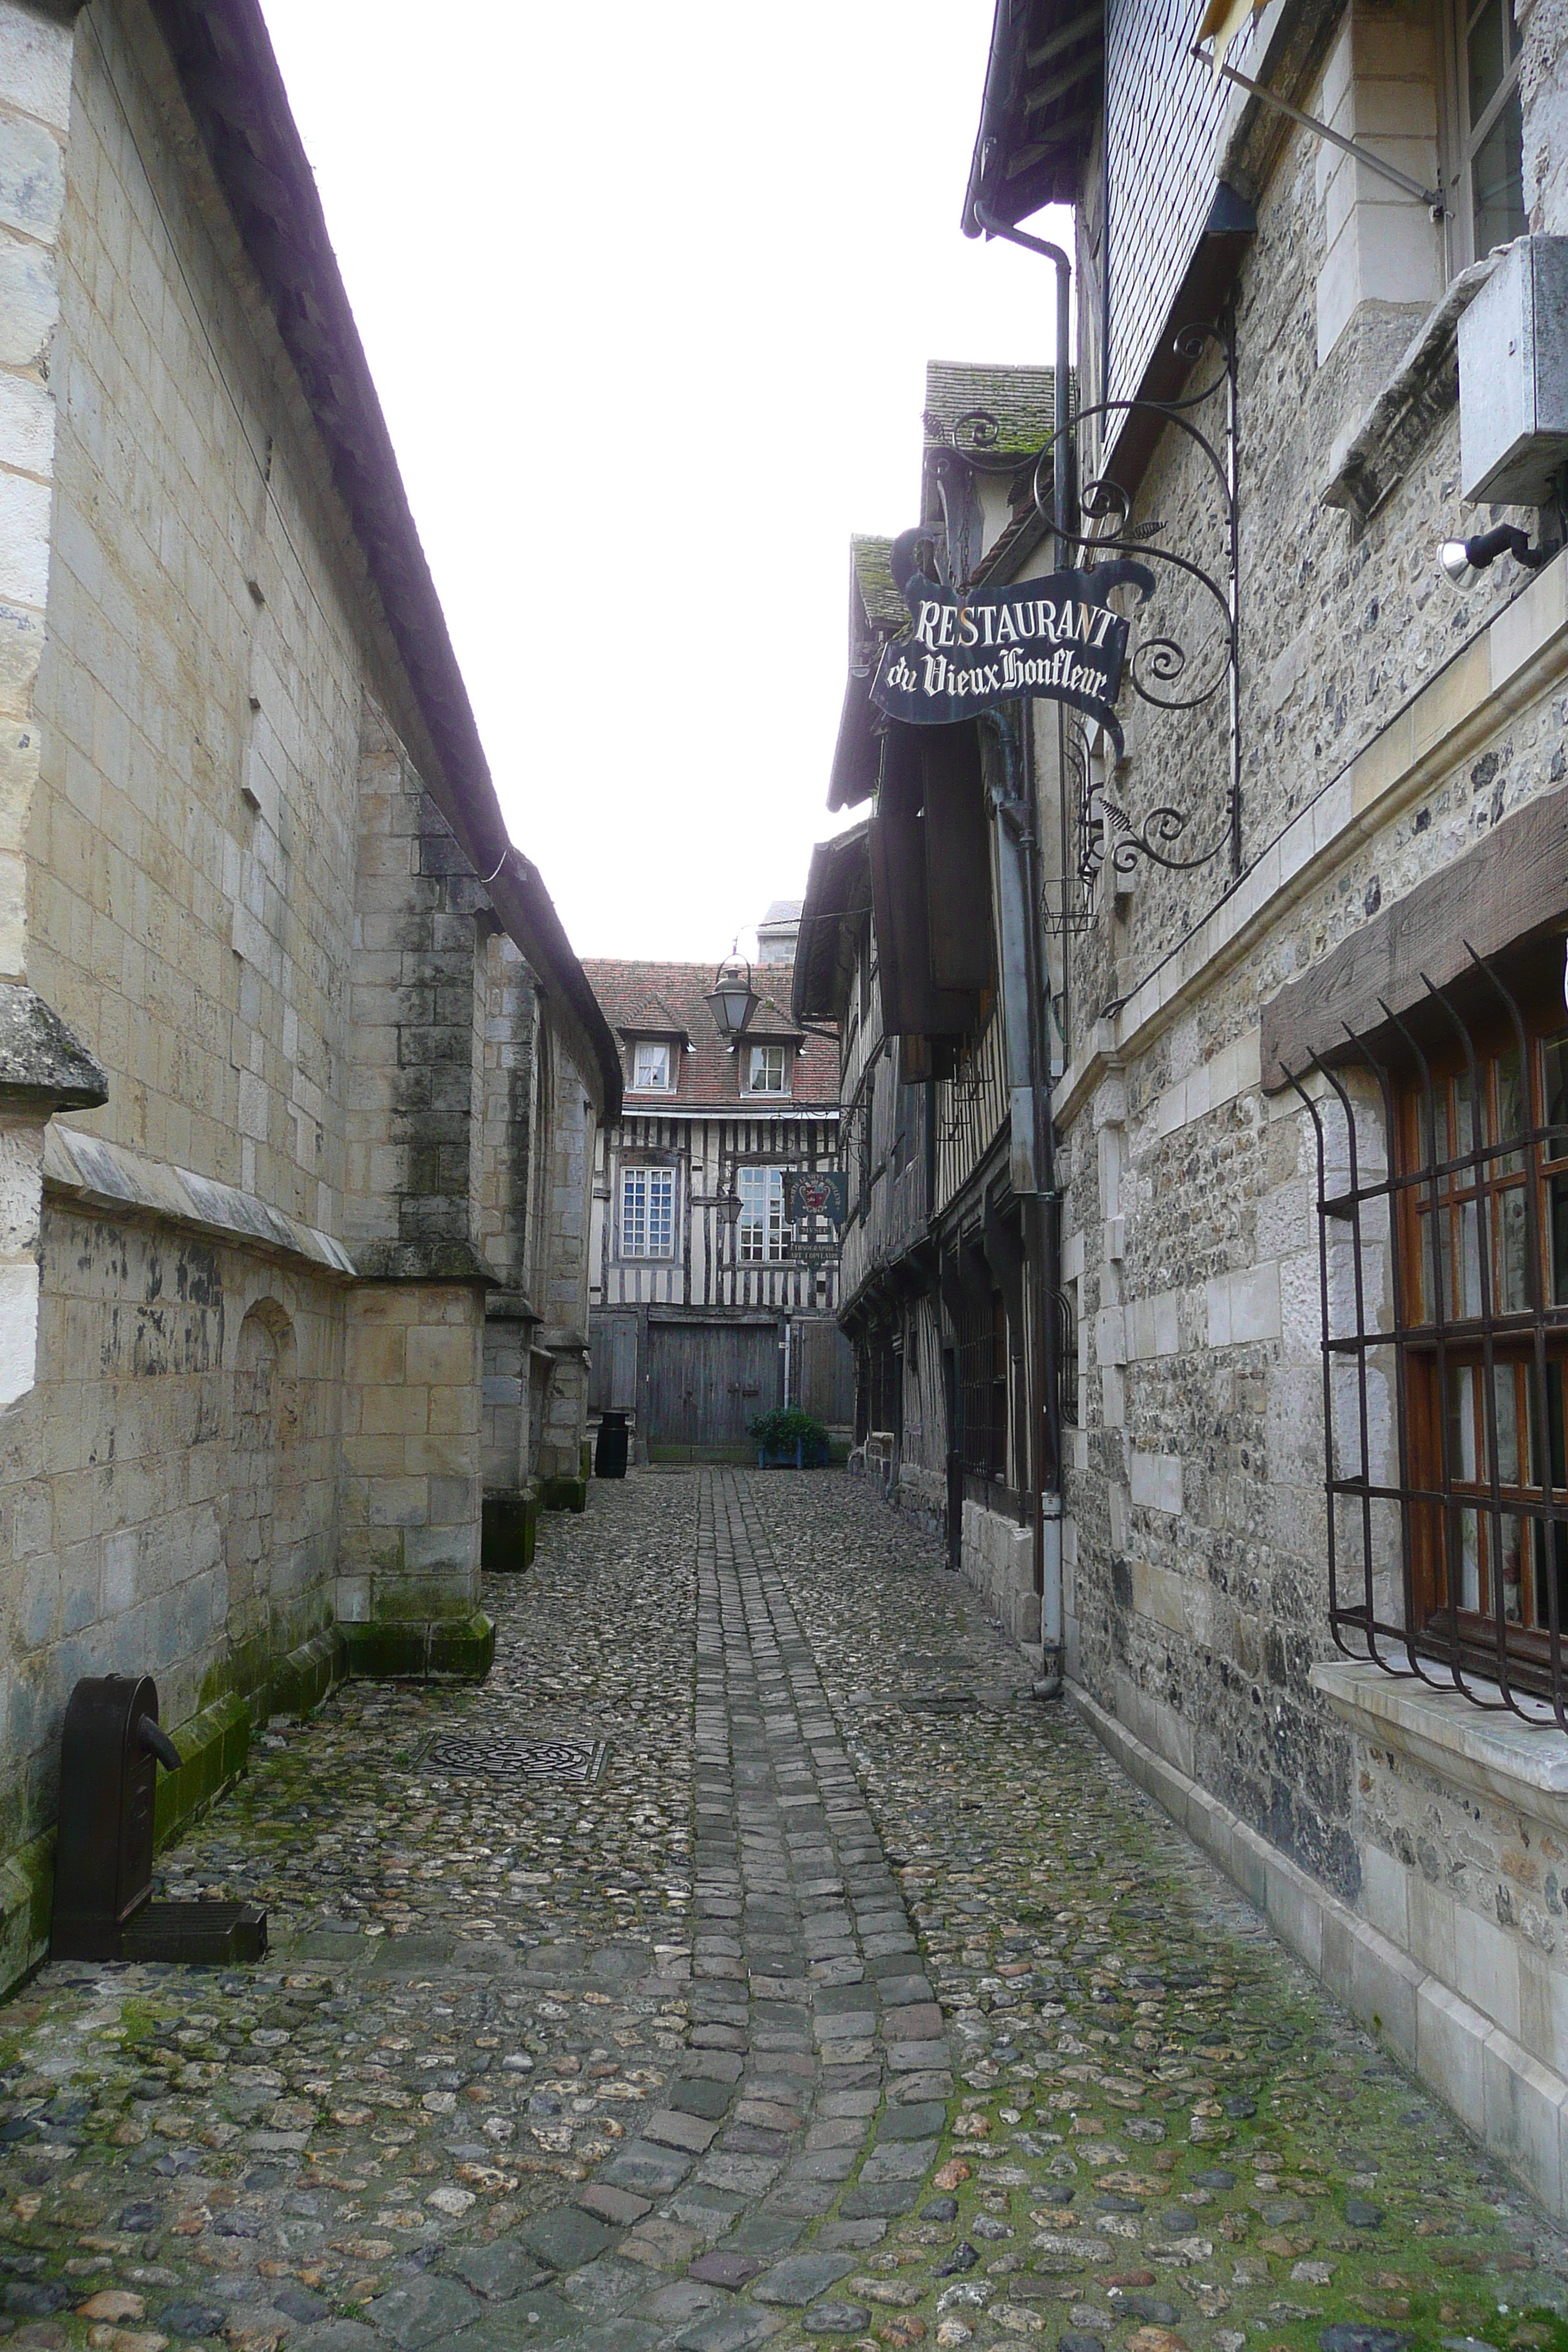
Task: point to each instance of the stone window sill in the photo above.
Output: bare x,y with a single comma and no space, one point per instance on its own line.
1367,465
1518,1765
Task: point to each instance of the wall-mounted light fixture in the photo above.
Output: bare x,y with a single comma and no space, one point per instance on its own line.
1465,559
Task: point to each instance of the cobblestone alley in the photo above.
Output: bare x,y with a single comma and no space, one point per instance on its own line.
859,1999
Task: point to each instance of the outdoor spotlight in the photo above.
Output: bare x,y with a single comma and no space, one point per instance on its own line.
1463,559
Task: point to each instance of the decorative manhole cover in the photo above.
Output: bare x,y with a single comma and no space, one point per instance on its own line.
516,1760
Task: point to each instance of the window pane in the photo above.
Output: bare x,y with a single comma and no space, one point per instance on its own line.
1467,1301
1511,1119
1469,1559
1486,57
634,1226
1464,1123
661,1212
1505,1390
1513,1288
1465,1456
1554,1057
1514,1538
1550,1573
1497,174
1557,1215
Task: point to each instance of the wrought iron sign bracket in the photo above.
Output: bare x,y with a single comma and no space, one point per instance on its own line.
1160,670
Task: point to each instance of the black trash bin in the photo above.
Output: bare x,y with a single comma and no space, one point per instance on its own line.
610,1453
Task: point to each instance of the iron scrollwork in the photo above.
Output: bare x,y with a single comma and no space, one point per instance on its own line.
1162,670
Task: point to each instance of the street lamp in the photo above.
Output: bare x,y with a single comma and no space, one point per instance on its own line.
731,999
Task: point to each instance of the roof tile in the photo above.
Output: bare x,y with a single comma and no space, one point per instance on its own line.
710,1072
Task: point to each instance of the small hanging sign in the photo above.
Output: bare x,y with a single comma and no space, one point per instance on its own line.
1054,638
811,1192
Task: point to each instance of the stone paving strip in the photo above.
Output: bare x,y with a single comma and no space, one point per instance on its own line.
860,2001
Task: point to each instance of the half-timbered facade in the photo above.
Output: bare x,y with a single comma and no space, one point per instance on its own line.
918,937
703,1311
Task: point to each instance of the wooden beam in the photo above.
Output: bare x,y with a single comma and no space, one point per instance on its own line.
1059,83
1511,887
1089,20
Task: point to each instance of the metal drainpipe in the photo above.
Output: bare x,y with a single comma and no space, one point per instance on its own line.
1015,818
1062,461
1045,1208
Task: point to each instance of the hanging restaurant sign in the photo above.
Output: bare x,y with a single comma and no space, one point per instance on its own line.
1056,638
815,1193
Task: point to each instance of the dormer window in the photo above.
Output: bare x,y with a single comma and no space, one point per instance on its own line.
767,1070
651,1069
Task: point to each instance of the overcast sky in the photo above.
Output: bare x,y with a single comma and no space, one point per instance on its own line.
648,294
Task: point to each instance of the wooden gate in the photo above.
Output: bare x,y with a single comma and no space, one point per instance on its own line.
705,1382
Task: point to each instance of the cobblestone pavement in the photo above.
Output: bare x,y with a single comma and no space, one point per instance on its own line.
937,2031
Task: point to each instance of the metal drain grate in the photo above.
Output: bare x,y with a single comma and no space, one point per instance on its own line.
578,1760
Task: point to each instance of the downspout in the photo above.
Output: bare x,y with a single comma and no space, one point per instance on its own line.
1033,1172
994,225
1015,818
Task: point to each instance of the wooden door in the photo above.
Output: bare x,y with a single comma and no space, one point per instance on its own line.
611,1362
706,1382
826,1374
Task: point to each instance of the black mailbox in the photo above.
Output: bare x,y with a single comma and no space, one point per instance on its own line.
104,1909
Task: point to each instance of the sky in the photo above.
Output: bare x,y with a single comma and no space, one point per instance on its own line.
648,293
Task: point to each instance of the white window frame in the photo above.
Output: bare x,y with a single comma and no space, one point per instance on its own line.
760,1233
1468,138
661,1055
758,1060
647,1213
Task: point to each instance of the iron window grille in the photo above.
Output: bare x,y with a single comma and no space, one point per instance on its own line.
1442,1163
982,1374
647,1213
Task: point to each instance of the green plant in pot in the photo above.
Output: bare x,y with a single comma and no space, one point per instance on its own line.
789,1437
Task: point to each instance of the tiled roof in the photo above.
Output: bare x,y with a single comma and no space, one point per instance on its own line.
650,1016
710,1073
1021,399
885,608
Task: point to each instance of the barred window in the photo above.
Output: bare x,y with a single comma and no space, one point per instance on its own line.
761,1231
983,1380
647,1213
1445,1290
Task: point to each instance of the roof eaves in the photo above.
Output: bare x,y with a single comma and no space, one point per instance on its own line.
221,51
1034,127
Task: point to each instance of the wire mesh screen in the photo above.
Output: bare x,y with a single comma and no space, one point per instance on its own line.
1442,1159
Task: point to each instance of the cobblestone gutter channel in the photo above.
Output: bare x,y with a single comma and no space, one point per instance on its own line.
861,2001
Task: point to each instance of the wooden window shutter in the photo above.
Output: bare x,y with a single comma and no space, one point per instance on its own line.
930,882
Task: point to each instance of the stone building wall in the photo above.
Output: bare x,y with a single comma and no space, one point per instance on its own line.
251,1151
1389,722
